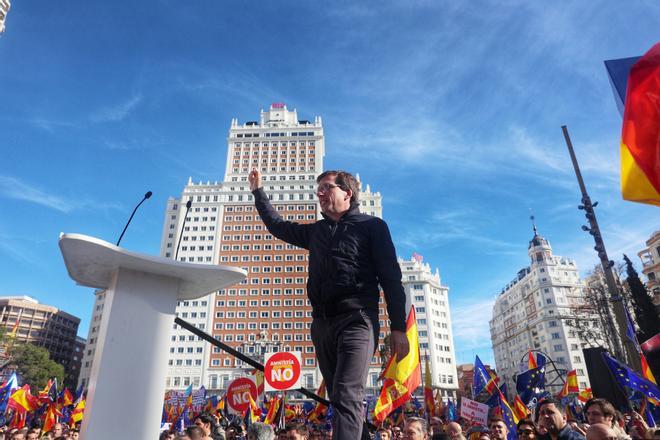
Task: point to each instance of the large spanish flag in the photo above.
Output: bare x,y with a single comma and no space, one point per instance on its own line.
402,377
640,137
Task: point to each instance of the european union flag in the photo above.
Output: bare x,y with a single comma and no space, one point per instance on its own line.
530,384
497,402
628,378
480,378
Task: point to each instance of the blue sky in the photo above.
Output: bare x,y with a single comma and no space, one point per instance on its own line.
452,110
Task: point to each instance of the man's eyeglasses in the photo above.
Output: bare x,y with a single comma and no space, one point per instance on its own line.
525,432
325,187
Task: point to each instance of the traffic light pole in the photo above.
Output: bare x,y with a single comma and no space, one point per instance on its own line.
625,349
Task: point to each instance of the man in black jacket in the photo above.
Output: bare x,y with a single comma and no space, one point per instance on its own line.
350,255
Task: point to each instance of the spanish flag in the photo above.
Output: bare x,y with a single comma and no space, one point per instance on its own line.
640,149
22,401
585,395
402,377
52,415
67,397
320,410
646,370
520,410
77,414
273,409
531,362
571,385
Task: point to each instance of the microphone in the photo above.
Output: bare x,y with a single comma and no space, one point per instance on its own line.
146,196
185,219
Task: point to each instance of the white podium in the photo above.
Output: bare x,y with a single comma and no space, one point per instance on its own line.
127,384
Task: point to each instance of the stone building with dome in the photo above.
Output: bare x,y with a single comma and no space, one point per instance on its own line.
539,310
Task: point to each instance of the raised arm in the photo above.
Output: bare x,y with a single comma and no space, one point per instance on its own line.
294,233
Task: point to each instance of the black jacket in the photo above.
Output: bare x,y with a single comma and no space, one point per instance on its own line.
347,261
566,433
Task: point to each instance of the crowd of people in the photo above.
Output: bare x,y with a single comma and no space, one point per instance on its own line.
549,421
60,431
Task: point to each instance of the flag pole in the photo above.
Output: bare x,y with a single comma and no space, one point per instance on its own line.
248,360
624,349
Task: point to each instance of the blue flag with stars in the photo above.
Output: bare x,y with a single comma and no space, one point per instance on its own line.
530,384
628,378
481,377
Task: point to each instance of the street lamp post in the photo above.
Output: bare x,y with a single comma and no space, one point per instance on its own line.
624,348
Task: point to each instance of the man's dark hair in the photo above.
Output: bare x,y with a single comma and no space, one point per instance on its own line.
495,418
548,401
527,422
299,428
206,418
422,422
195,432
345,181
605,406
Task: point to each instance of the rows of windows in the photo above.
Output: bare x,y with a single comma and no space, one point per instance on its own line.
272,170
184,381
255,292
262,303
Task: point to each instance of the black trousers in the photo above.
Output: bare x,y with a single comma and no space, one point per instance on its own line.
344,346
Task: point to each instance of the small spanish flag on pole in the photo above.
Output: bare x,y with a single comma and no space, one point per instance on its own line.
640,149
571,385
402,377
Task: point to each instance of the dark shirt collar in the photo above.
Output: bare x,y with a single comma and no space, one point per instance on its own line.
353,209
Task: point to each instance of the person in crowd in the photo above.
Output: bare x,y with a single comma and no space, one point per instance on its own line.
260,431
552,417
58,430
415,428
351,258
601,431
497,428
526,430
207,422
297,432
599,410
196,433
166,435
454,431
437,426
383,434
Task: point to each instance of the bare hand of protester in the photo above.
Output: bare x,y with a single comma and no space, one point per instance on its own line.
399,344
641,425
255,179
581,428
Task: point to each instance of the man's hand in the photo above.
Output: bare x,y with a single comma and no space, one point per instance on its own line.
255,179
399,344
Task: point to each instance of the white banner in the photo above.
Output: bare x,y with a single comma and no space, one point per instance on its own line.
475,411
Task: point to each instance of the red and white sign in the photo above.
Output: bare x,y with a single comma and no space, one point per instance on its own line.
239,392
282,371
475,411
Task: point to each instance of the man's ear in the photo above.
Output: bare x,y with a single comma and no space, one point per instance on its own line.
349,194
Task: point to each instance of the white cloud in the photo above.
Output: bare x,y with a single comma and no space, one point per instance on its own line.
14,188
117,112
